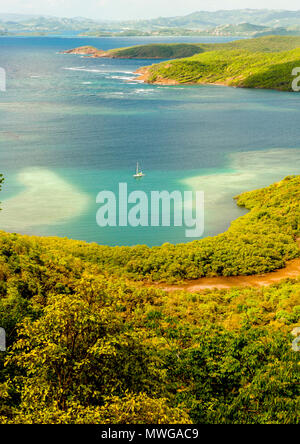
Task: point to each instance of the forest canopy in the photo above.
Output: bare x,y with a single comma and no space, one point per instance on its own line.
87,345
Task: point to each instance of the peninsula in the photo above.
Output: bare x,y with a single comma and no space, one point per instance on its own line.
265,62
180,50
238,68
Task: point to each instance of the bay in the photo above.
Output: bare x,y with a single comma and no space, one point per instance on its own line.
71,127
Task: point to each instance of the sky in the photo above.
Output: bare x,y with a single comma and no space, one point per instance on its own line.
133,9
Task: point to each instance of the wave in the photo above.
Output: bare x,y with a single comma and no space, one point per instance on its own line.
144,91
119,77
77,68
117,93
83,68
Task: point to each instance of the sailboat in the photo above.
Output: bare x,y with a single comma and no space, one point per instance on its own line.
139,173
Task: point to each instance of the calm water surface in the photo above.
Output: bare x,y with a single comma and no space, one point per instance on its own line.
72,126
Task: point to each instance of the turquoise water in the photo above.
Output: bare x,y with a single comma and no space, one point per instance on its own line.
71,127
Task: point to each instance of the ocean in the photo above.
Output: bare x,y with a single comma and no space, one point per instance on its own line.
72,126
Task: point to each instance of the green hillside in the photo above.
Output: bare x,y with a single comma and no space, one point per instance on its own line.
238,68
87,346
261,241
178,50
158,51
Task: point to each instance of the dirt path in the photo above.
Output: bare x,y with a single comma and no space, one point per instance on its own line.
292,270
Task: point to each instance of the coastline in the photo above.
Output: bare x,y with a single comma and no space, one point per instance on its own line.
144,76
88,51
262,65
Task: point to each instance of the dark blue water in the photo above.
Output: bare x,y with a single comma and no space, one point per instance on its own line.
71,127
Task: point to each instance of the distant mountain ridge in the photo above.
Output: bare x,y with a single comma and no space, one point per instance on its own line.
264,17
206,19
222,22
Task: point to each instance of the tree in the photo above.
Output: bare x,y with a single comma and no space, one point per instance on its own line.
80,352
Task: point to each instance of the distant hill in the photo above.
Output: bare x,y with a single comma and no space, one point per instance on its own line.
263,17
16,24
291,31
16,17
229,22
241,27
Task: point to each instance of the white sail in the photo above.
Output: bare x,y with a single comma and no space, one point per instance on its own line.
138,173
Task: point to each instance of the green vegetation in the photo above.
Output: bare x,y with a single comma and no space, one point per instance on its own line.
179,50
157,51
261,241
265,62
237,68
86,345
264,44
207,19
148,33
238,29
228,22
241,29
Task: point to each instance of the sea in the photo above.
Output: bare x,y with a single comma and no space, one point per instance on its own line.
72,127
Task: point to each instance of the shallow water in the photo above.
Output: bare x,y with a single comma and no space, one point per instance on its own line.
71,127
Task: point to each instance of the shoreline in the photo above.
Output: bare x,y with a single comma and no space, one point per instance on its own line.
143,74
258,69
